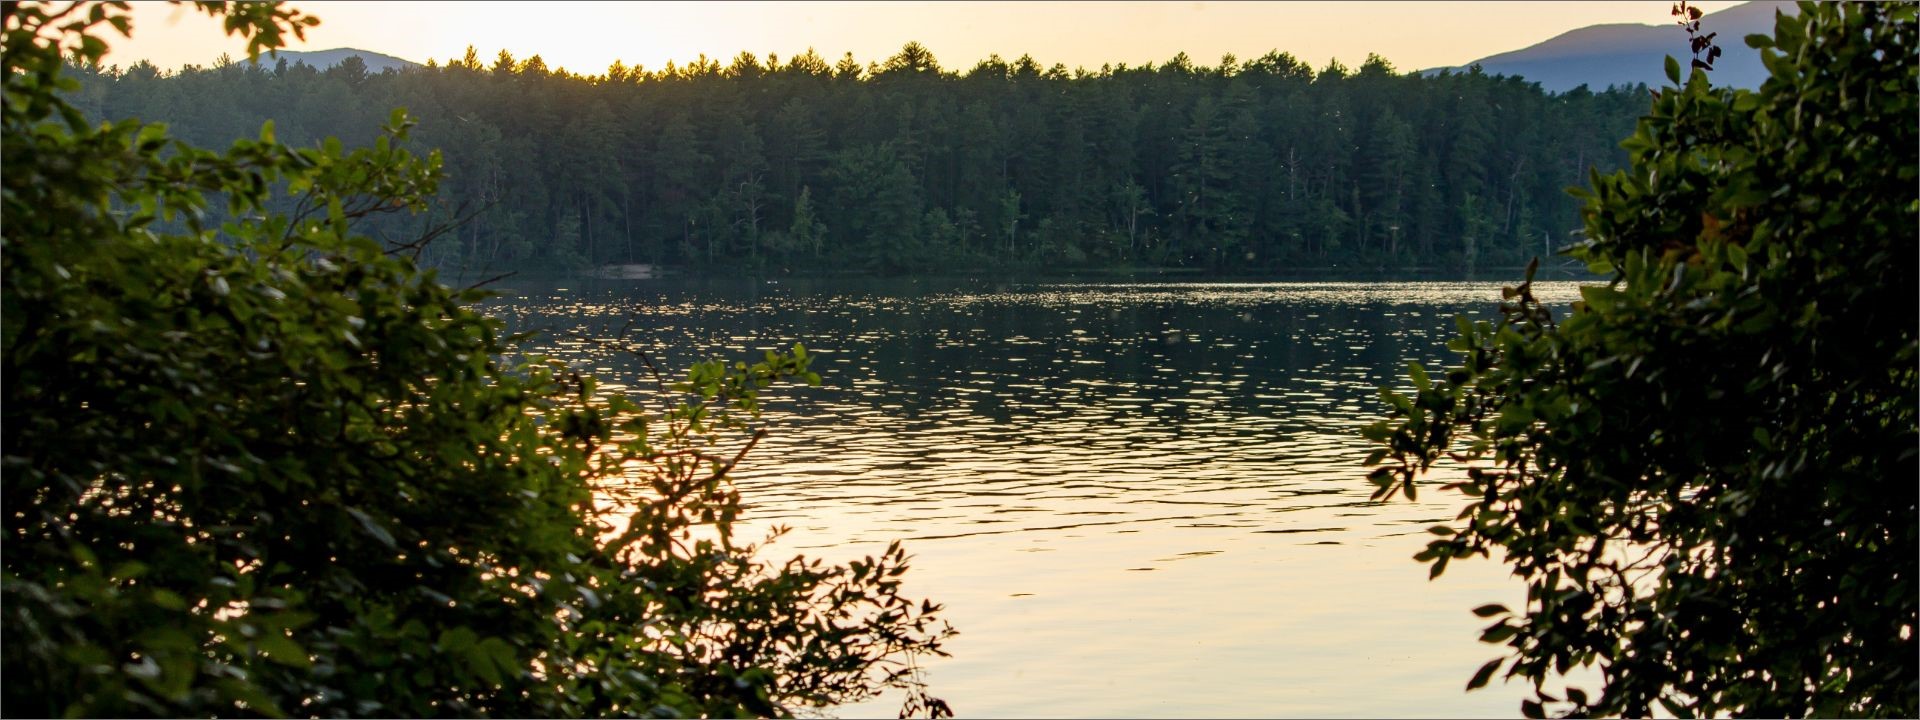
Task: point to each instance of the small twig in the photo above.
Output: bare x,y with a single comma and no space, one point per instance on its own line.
491,280
659,382
755,440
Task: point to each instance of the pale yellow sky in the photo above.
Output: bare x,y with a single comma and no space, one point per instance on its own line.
586,37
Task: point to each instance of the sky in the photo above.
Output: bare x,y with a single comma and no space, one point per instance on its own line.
586,37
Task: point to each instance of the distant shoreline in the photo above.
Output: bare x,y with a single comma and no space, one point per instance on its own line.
1511,274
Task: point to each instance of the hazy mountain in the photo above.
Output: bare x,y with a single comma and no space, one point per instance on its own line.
1599,56
323,59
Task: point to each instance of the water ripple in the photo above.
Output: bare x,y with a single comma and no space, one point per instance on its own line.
1142,432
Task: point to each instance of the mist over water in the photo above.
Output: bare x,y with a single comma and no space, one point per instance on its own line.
1135,499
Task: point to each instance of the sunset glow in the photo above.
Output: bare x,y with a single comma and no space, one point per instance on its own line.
587,37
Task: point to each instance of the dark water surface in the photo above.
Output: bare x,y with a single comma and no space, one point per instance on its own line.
1136,499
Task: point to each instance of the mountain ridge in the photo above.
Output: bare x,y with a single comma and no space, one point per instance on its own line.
323,59
1601,56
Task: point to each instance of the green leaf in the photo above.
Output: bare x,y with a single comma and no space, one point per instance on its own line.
372,527
129,570
252,695
283,650
1499,633
1378,431
1673,70
494,660
1398,401
1484,674
456,639
92,47
167,600
336,214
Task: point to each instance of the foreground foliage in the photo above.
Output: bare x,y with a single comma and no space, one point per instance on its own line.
1705,472
269,467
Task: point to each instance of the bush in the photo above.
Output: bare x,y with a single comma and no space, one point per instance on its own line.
1705,472
271,468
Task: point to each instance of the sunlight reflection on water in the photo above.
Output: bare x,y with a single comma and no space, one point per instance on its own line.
1136,499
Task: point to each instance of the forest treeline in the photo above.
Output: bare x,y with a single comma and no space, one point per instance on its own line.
903,165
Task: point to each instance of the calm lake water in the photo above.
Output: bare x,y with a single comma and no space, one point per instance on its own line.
1135,499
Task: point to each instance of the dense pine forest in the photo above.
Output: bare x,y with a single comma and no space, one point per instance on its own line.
801,164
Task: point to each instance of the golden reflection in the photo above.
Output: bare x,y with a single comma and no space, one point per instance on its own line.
1156,485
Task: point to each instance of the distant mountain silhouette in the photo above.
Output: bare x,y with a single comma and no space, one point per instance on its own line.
323,59
1600,56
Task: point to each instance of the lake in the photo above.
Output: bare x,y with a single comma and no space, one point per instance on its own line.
1135,499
